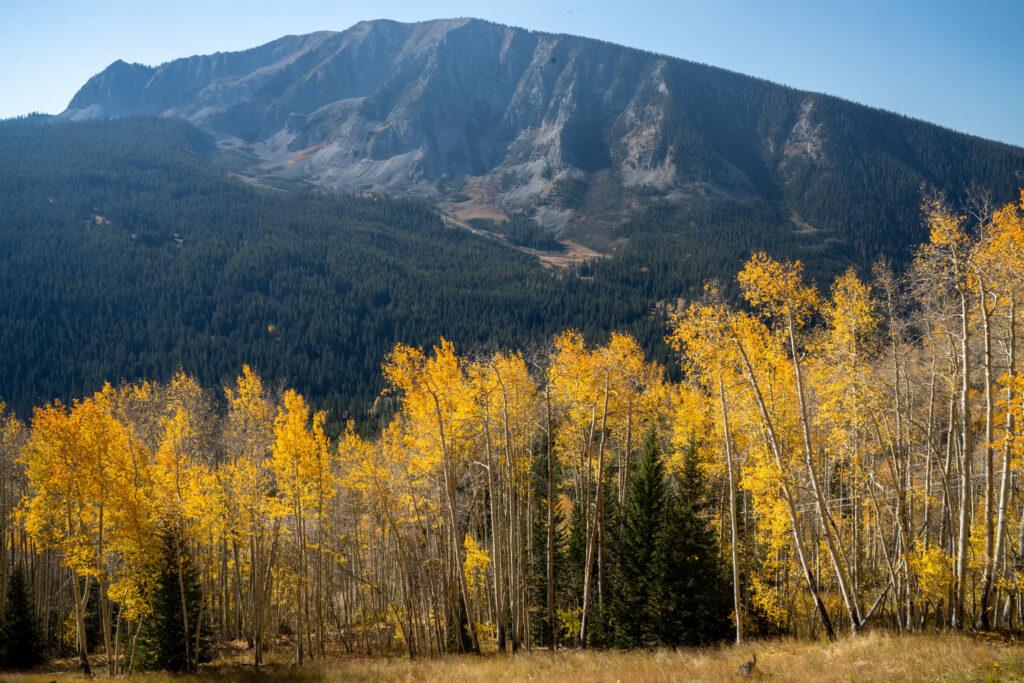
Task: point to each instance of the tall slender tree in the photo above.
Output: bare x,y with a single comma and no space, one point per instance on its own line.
696,594
21,643
638,603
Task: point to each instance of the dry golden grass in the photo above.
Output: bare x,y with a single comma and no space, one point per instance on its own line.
872,657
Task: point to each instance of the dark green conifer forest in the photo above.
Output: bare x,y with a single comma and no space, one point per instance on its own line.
128,252
21,641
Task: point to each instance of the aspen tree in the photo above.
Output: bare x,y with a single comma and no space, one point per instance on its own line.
438,405
1000,262
13,434
944,264
297,461
777,290
247,482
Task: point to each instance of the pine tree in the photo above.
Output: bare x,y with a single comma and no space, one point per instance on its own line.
638,573
164,643
572,576
601,632
21,646
698,597
542,631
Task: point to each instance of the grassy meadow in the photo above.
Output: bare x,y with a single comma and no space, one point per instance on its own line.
871,657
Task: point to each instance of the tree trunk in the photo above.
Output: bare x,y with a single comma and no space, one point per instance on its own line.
734,535
594,535
966,452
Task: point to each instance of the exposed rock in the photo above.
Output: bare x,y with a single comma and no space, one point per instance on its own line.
488,120
805,138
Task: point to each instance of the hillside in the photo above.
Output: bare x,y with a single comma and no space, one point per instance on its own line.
128,254
596,143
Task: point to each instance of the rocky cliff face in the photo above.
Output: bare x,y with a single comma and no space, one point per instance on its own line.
490,121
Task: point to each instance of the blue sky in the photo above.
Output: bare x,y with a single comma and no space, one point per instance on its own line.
959,64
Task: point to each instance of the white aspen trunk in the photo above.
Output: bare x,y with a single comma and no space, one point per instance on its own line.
1008,437
824,515
966,453
496,554
734,535
988,570
449,488
809,577
593,536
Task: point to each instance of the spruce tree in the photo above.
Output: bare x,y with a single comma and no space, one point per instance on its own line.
698,595
543,632
601,627
164,643
638,572
21,643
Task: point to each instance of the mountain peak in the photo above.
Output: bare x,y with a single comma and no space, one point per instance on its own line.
495,123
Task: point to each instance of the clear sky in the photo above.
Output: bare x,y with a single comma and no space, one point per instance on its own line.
959,64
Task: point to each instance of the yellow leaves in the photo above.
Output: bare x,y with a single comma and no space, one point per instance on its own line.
300,456
402,365
777,289
10,428
131,595
207,505
746,366
569,620
436,398
1012,388
476,565
393,483
249,428
610,386
246,489
945,228
474,568
171,463
1002,254
360,465
248,393
90,479
841,365
105,473
501,384
506,400
71,460
946,257
246,480
701,333
852,312
426,381
767,600
693,423
934,571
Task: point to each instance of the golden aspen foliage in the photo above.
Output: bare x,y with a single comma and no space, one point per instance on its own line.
777,289
476,565
934,571
861,448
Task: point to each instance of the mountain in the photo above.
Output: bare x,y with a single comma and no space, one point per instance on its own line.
184,216
565,135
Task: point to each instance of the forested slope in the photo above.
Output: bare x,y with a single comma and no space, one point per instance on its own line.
126,254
